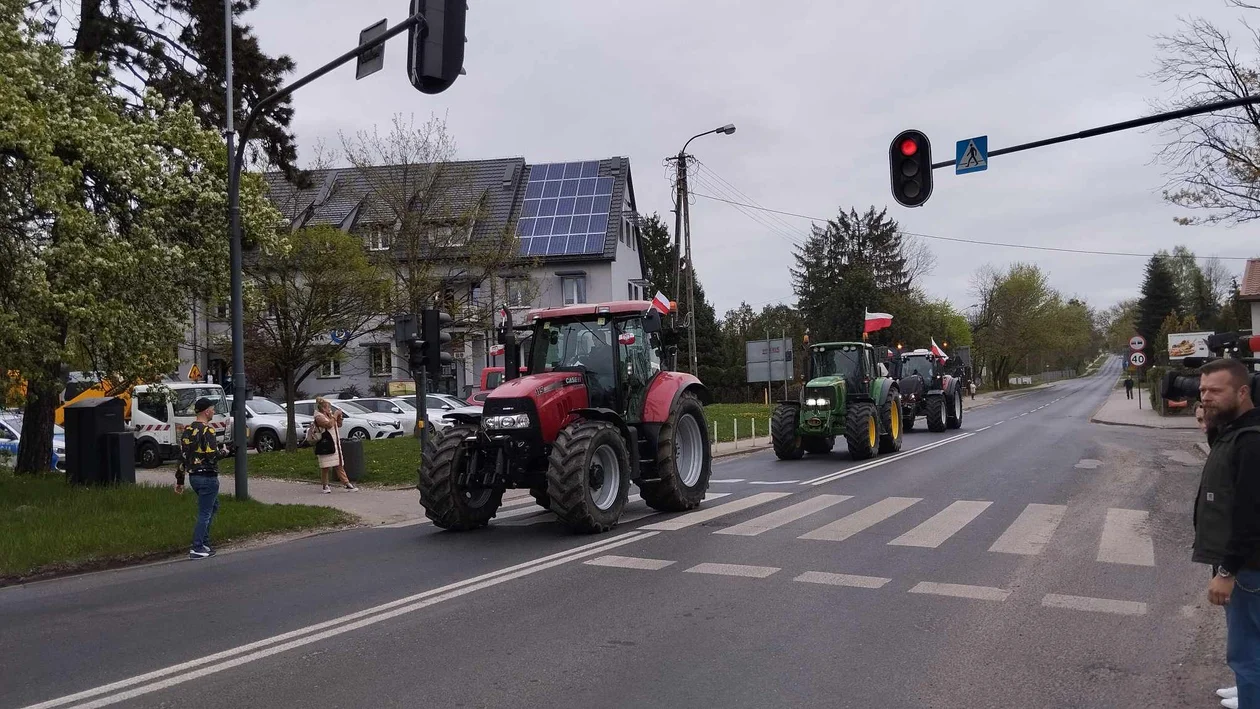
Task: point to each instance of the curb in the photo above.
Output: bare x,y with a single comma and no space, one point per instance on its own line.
1138,425
741,451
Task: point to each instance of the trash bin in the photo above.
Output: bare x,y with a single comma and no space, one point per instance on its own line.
120,457
87,422
355,463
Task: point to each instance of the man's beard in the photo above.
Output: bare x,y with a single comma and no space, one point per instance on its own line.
1219,414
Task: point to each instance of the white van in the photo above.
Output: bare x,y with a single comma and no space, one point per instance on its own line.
159,413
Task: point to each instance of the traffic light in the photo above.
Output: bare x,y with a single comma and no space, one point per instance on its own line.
435,47
434,337
910,162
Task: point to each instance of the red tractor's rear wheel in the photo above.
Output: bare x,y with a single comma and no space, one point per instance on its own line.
684,460
444,502
588,476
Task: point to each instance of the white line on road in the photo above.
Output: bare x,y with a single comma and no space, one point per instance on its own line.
841,474
629,562
728,480
842,579
864,518
210,664
999,423
957,590
943,525
773,482
788,514
636,516
753,572
978,430
1096,605
705,514
1031,531
1126,539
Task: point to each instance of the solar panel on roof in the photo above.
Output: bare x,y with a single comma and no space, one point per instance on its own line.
566,210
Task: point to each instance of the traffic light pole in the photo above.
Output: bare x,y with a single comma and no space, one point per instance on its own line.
1124,125
235,159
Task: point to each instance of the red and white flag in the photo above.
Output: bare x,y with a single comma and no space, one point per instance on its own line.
661,303
496,350
877,321
938,351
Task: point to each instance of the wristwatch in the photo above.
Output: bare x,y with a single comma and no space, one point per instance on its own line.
1223,573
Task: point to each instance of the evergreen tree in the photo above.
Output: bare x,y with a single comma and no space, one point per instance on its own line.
1159,298
657,247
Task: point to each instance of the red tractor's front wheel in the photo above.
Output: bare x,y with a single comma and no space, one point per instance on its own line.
684,461
588,476
447,504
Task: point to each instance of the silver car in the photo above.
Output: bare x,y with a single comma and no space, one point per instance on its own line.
267,424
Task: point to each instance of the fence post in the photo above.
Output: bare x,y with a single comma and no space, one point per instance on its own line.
713,441
735,428
754,432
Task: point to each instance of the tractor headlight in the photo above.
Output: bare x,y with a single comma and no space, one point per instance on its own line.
498,423
820,403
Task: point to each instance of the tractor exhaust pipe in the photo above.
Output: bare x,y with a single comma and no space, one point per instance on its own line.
511,352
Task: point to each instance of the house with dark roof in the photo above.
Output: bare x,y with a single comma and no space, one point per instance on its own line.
571,228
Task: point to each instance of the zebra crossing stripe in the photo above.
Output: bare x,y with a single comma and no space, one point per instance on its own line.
636,516
849,580
629,562
754,572
1126,539
788,514
1031,531
864,518
705,514
958,590
1095,605
943,525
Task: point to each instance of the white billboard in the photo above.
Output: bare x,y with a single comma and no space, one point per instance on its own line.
1188,344
770,359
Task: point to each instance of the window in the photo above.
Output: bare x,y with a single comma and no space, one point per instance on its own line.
381,360
379,238
153,405
185,399
221,310
630,292
452,234
304,409
517,292
573,289
330,368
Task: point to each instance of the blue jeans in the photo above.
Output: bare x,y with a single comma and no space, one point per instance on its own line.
1242,617
207,489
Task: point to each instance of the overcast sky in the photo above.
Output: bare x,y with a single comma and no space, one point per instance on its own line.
817,93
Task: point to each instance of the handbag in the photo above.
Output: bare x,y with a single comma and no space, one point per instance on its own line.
325,445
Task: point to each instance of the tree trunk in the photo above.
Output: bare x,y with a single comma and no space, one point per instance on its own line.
35,448
290,443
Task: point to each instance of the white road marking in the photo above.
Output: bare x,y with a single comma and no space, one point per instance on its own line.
702,515
636,516
773,482
528,520
842,579
251,652
728,480
999,423
629,562
957,590
1022,415
943,525
1031,531
754,572
841,474
979,430
1096,605
1126,539
864,518
778,518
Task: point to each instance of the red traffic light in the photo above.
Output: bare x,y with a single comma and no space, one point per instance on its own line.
909,147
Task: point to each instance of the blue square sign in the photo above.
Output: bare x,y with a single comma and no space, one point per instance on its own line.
972,155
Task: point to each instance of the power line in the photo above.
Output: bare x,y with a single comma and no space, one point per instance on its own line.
977,242
779,231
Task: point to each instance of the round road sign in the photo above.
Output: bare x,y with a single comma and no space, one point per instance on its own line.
1138,359
1137,342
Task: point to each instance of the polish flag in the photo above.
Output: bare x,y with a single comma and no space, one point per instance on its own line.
938,351
496,350
877,321
661,303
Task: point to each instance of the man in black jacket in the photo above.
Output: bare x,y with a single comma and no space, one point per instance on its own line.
199,455
1227,517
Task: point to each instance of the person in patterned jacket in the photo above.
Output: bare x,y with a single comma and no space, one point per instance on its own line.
199,455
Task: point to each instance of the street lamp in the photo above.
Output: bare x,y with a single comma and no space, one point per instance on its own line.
682,215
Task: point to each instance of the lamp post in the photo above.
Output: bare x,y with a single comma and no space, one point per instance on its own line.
682,222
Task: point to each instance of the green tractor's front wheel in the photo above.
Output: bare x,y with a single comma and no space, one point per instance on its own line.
890,415
783,432
861,430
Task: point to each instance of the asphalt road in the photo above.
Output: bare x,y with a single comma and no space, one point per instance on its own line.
1031,559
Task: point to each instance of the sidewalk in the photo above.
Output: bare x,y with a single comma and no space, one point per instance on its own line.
1119,410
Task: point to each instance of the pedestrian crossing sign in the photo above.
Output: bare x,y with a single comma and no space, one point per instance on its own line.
972,155
194,373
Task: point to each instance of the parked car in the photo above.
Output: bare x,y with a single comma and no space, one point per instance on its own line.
399,409
439,405
11,436
267,424
359,424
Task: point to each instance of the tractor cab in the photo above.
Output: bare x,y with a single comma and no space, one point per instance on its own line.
849,363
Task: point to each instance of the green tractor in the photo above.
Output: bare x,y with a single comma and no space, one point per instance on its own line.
848,393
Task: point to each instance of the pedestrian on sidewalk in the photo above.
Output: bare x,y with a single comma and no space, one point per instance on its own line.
1227,519
1128,386
328,444
199,454
972,386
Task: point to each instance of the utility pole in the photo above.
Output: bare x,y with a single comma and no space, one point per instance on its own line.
680,199
691,284
239,462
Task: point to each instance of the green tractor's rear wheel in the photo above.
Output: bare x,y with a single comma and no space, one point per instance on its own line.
890,416
861,430
818,445
788,445
935,413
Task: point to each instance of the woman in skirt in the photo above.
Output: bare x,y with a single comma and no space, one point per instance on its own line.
328,423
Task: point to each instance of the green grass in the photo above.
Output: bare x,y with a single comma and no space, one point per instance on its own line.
389,462
47,525
727,415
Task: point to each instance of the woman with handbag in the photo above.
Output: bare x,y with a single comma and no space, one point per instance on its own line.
328,444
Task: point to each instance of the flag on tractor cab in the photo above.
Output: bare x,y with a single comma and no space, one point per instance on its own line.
938,351
661,303
876,321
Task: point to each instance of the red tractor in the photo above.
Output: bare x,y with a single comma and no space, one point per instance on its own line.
595,411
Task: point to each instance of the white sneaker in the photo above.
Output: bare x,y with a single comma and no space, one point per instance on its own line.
1227,693
351,488
327,490
1231,703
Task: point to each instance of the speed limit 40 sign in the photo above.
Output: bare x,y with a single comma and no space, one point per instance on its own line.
1137,359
